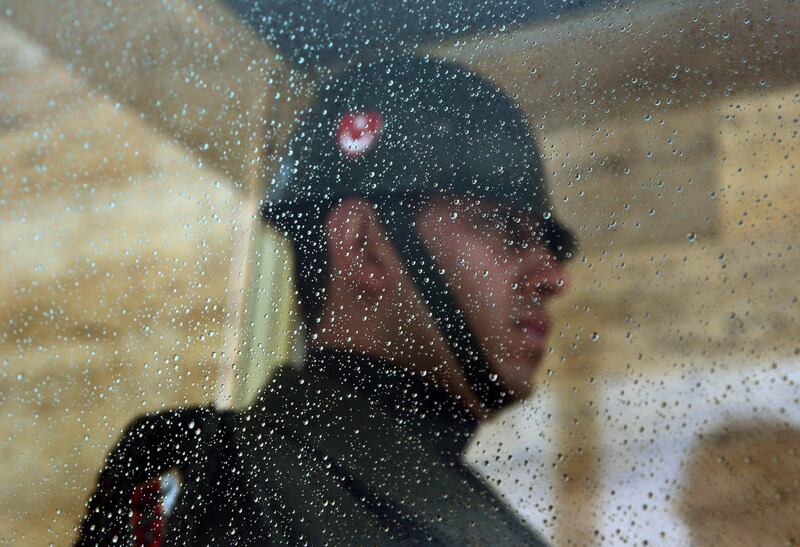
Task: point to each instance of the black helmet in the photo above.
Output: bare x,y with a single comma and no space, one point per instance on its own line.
397,130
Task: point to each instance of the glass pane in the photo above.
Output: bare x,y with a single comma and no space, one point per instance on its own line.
343,229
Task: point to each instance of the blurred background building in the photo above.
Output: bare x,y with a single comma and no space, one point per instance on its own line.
137,141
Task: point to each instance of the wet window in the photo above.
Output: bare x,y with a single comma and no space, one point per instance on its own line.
449,272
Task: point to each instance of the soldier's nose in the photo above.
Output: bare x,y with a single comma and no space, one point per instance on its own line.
548,280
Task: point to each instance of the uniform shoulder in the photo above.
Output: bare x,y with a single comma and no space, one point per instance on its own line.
291,388
153,441
191,440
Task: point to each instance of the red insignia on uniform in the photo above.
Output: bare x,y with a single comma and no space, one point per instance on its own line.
152,503
147,517
358,132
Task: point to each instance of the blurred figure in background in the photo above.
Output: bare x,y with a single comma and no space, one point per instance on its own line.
742,486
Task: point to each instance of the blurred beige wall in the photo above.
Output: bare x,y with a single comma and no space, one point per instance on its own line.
692,268
116,254
742,486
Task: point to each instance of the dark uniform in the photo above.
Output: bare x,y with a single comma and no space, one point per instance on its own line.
348,449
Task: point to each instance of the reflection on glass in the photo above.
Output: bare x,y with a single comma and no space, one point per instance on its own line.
652,375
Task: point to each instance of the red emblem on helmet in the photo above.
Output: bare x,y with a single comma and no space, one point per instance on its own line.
358,132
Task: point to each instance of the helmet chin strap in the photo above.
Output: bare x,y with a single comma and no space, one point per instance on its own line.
398,219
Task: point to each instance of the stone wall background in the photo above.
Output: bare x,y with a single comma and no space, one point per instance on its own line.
116,254
115,263
689,272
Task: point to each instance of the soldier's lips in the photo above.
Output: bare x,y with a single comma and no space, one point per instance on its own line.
534,329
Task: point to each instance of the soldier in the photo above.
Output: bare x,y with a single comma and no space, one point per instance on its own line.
426,249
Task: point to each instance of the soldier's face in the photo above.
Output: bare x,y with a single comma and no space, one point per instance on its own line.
502,277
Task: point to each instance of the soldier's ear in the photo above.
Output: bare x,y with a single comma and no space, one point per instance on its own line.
358,250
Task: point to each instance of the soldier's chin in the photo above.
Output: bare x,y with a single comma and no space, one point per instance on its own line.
520,393
518,376
518,385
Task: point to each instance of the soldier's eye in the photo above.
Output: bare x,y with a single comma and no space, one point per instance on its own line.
518,235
